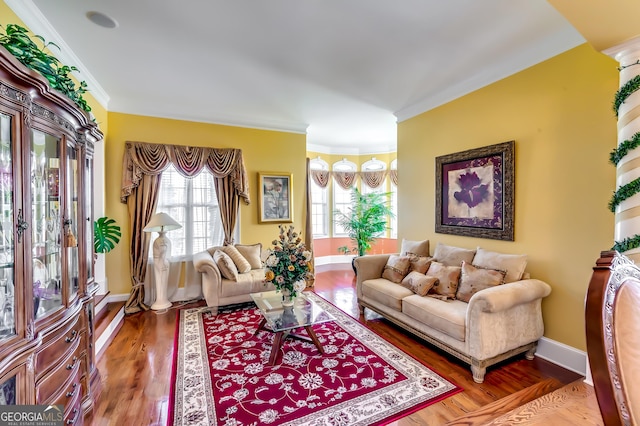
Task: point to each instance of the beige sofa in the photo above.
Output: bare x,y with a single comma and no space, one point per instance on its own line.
231,273
496,323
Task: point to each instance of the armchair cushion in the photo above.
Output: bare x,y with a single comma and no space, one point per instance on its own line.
238,259
251,252
473,279
513,264
452,256
225,264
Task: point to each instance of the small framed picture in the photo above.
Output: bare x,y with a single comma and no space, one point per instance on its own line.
276,198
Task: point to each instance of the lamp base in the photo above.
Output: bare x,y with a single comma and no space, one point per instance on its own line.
159,305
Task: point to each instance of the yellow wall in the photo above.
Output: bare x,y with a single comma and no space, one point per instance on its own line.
559,114
263,150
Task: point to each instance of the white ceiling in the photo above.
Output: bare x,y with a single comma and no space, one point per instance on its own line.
343,71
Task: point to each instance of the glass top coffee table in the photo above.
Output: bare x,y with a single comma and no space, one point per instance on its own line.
283,320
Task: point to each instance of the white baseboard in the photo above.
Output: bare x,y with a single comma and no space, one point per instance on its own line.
563,355
111,328
329,260
117,297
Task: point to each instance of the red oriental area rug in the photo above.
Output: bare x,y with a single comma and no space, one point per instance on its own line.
221,374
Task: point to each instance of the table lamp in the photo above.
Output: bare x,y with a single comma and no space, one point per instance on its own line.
161,223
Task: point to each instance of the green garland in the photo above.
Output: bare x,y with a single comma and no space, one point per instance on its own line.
627,244
625,91
624,192
623,149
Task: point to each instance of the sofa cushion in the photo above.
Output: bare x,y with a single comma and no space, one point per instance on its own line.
238,259
419,264
415,248
513,264
396,269
418,283
473,279
385,292
448,277
251,252
447,316
249,282
452,256
225,264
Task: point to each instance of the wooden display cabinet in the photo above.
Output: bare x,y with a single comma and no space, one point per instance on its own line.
47,287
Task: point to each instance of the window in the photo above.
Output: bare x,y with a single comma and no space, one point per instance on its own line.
341,197
191,202
373,165
394,203
319,207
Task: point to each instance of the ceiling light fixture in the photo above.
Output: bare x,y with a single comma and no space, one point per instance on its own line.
102,20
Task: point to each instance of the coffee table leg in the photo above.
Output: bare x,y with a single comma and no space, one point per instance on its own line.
275,348
314,338
260,326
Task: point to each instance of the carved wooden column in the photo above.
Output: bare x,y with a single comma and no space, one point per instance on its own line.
626,201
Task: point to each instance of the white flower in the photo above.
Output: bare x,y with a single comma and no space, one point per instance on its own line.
307,255
272,260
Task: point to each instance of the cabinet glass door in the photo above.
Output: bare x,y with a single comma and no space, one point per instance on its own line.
47,223
88,212
8,392
7,297
71,222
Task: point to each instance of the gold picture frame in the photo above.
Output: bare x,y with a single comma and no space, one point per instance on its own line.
275,197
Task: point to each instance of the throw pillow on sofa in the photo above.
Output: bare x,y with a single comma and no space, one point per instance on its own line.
452,256
513,264
418,283
251,252
396,269
414,248
448,277
225,264
238,259
473,279
419,264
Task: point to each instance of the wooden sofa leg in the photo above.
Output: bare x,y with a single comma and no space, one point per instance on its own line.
361,309
531,353
478,369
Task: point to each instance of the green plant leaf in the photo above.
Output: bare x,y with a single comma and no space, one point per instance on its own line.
106,234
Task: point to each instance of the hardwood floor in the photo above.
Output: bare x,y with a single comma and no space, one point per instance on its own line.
136,369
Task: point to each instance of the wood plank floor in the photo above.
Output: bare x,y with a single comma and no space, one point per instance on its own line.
136,369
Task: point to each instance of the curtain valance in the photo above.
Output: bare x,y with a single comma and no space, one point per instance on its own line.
142,158
373,179
320,177
393,173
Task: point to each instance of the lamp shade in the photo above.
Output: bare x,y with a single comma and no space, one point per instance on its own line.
161,222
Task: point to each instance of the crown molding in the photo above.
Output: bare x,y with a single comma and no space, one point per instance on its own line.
38,24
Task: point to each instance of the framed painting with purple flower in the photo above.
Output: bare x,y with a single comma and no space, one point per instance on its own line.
474,192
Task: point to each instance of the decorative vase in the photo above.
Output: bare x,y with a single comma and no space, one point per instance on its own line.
287,299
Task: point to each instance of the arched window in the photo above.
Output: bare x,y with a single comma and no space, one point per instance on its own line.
373,165
319,204
341,195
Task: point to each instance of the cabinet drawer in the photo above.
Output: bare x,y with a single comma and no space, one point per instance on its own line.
73,388
74,415
53,381
56,344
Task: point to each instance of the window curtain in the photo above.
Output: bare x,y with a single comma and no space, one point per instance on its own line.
320,177
345,179
394,176
142,166
308,226
373,179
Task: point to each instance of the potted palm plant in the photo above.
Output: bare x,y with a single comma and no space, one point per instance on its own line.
366,219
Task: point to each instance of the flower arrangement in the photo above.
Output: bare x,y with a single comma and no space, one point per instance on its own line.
289,262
